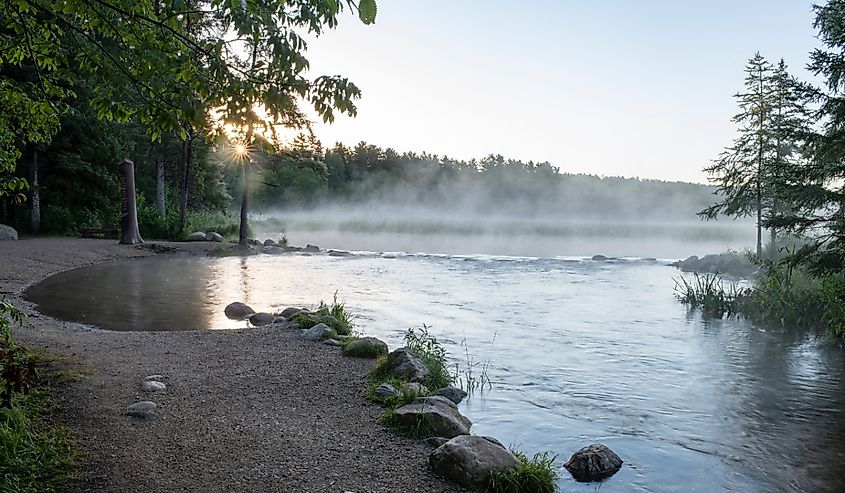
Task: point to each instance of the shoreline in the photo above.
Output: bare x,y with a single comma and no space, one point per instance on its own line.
249,410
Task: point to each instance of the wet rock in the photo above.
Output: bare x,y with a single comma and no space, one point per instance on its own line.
261,318
312,248
593,463
238,311
331,342
469,460
385,391
365,347
599,258
318,332
254,242
270,242
159,248
454,394
153,386
438,414
293,249
406,365
196,236
273,250
212,236
339,253
290,312
8,233
143,410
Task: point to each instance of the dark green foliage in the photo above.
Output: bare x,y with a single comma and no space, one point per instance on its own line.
336,316
535,475
35,455
360,350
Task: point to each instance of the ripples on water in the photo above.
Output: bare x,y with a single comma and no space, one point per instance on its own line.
579,352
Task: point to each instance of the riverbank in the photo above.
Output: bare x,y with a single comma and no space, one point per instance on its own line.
251,410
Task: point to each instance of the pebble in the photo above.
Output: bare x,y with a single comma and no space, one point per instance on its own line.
153,386
143,410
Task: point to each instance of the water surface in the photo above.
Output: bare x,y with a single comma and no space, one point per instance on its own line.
578,352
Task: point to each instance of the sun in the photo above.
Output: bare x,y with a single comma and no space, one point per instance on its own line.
240,149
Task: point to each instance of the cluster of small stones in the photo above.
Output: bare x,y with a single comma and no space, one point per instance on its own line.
466,459
203,236
146,410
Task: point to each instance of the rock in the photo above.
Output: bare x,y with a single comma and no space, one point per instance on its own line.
290,312
273,250
435,441
317,332
454,394
407,366
416,388
155,377
261,318
196,236
339,253
438,414
212,236
312,248
144,410
331,342
153,386
599,258
293,249
8,233
365,347
238,311
593,463
469,460
269,242
385,391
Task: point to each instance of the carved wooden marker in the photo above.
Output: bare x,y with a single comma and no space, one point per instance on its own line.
129,234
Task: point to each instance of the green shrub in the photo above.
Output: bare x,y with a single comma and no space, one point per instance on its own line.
341,319
535,475
223,223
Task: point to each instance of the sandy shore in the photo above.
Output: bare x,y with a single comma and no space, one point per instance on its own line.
254,410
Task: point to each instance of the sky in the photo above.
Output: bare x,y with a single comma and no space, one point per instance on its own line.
614,88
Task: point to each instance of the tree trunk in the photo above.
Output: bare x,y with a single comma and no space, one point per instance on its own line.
186,178
243,233
159,179
773,243
35,196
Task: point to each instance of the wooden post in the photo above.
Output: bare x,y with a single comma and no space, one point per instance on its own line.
129,234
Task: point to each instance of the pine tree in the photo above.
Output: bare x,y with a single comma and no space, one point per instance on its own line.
741,171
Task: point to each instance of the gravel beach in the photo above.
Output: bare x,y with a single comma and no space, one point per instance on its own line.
251,410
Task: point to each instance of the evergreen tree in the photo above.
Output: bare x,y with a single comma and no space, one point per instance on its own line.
741,172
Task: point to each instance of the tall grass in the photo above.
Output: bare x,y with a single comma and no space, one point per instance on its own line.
708,293
534,475
421,343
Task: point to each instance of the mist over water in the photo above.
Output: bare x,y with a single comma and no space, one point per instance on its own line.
391,227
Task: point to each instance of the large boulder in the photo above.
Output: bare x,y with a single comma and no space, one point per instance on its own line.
270,242
470,460
437,415
8,233
312,248
196,236
238,311
212,236
365,347
261,318
454,394
593,463
406,365
318,332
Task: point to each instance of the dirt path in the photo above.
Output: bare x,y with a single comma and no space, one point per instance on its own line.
255,410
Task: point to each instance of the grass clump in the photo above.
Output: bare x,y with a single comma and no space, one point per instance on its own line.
431,351
534,475
708,293
335,316
351,347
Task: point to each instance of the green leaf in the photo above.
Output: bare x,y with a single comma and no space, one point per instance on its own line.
367,11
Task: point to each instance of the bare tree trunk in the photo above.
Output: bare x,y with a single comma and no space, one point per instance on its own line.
35,197
773,243
759,222
187,155
243,233
159,179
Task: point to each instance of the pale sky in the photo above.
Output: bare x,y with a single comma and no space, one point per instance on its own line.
615,88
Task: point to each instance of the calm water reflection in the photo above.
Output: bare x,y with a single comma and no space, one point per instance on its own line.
579,351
